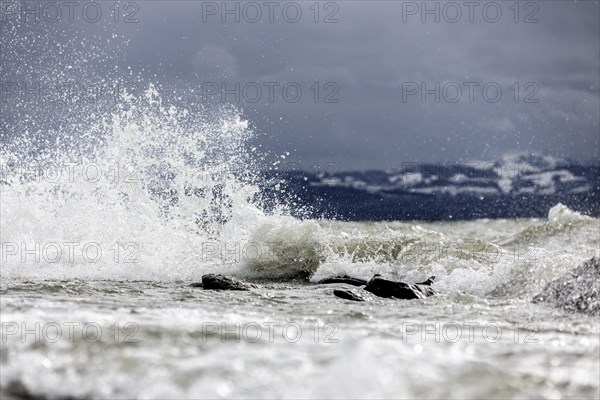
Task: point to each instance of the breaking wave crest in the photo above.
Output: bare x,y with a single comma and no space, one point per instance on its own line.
152,191
133,196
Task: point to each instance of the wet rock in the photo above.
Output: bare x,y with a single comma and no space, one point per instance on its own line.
344,279
576,291
349,295
428,282
400,290
222,282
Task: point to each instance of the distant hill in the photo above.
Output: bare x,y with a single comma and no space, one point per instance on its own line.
515,186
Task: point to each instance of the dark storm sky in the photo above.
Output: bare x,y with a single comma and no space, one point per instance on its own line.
375,53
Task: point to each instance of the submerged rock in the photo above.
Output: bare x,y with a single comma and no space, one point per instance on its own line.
382,287
377,285
428,282
222,282
349,295
344,279
578,290
400,290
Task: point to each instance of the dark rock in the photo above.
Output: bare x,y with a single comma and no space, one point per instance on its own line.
577,291
427,290
428,282
385,288
196,284
349,295
222,282
344,279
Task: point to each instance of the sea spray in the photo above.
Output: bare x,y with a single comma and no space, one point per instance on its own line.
155,190
154,186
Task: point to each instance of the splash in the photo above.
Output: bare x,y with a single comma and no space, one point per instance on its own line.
156,191
147,192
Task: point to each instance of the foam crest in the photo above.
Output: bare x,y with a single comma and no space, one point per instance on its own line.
146,187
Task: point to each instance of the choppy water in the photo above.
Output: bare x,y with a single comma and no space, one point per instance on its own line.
101,239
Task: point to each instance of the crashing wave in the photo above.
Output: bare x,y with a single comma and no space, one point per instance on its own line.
576,291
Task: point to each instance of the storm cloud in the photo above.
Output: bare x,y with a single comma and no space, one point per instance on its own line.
373,84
